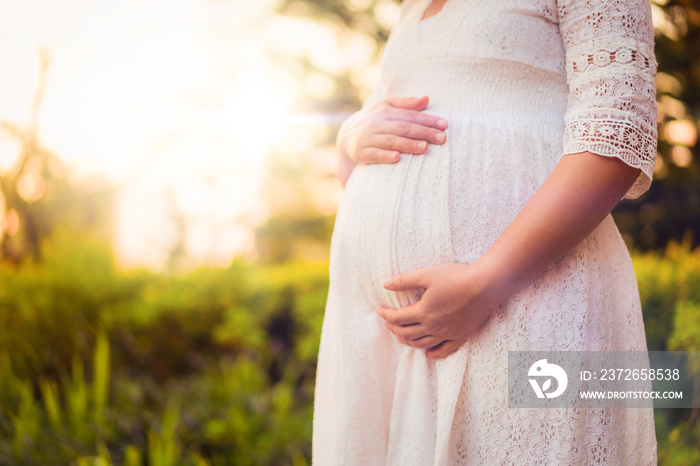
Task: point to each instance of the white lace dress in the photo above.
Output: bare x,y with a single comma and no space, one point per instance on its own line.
522,83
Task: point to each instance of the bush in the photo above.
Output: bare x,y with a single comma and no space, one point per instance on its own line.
669,286
216,367
99,366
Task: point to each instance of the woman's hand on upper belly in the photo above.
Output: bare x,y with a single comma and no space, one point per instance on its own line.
381,132
456,302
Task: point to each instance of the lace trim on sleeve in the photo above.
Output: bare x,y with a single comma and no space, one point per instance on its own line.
612,104
613,133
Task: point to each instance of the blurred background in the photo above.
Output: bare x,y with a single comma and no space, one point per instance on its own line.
166,203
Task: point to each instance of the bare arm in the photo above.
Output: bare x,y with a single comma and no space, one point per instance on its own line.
575,198
579,193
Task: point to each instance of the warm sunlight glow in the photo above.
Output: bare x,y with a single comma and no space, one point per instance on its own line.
681,132
177,102
258,115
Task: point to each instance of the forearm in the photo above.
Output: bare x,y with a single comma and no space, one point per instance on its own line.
574,199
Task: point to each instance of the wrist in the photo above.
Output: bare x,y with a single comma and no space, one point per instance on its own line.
493,279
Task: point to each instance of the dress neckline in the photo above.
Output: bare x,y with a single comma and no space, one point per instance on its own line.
425,8
423,27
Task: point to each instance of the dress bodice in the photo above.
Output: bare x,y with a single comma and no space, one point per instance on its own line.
593,57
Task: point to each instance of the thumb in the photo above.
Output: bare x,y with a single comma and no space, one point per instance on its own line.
409,103
405,281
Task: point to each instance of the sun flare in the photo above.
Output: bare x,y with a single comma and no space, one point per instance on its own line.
176,102
257,114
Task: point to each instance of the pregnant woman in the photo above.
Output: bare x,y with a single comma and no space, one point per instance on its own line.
476,221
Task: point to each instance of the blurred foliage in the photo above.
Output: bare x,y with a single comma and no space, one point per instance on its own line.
668,287
671,207
109,367
36,195
356,15
215,367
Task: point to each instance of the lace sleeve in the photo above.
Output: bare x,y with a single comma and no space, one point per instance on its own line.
611,71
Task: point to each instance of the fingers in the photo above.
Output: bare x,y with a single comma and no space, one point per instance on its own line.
391,138
408,332
421,343
412,280
414,335
392,143
414,116
443,349
377,155
406,315
389,128
410,130
412,103
409,109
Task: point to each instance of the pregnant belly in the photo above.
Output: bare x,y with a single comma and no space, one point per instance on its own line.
371,240
450,205
446,206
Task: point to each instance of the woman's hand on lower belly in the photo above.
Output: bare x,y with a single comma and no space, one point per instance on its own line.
577,195
457,301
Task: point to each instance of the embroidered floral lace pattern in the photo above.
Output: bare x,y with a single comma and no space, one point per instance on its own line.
612,76
522,83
